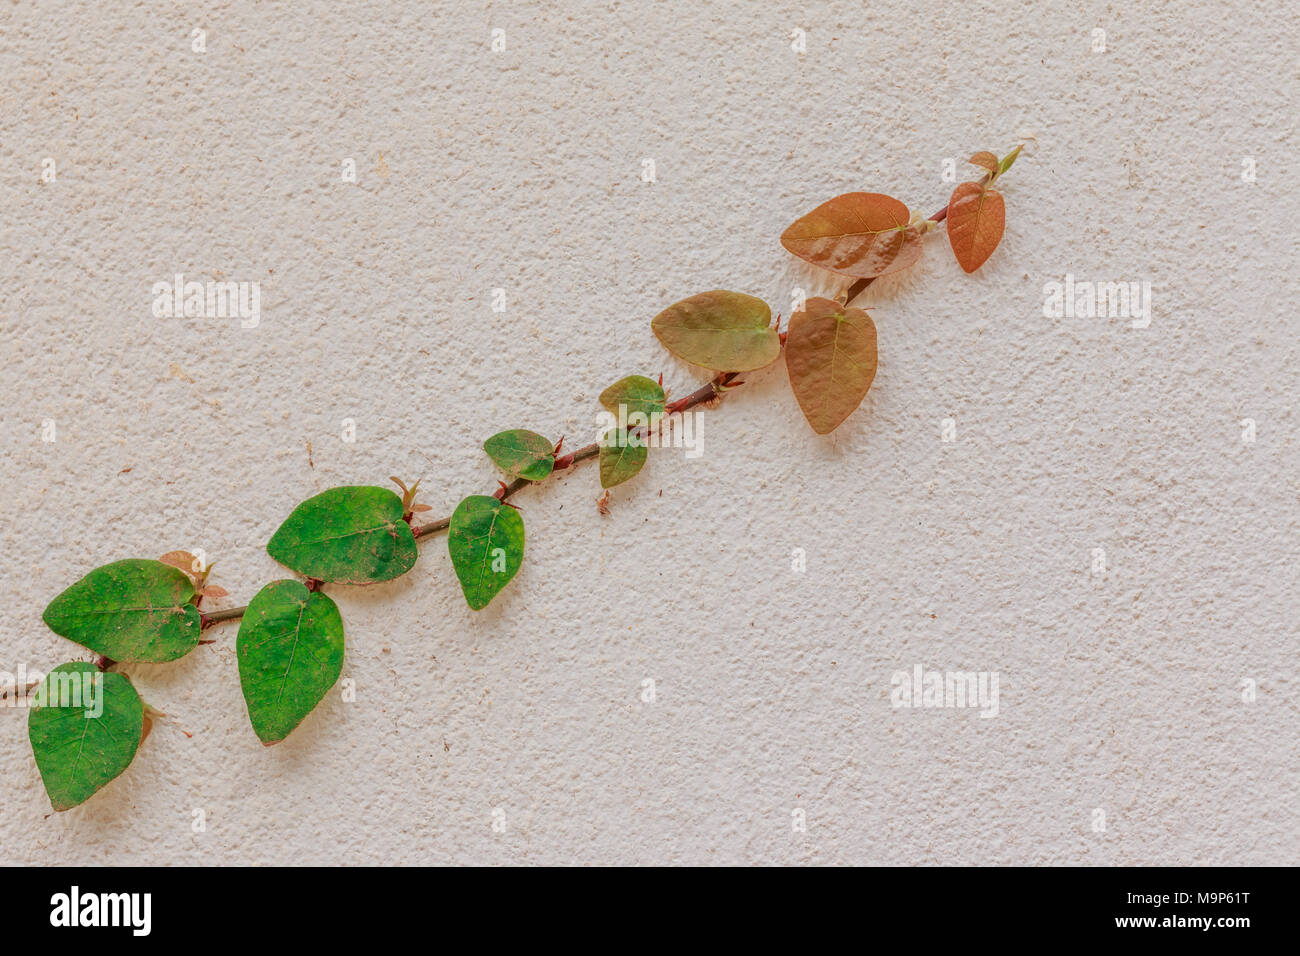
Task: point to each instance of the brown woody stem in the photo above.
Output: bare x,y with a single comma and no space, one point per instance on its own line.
216,617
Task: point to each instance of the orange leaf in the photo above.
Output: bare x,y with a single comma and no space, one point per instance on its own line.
976,218
830,353
985,159
858,234
215,591
179,559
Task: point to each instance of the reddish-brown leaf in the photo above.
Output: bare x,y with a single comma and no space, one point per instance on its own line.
985,159
181,560
862,235
830,353
976,218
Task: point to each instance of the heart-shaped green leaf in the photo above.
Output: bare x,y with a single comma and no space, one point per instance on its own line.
85,727
857,234
622,453
486,542
521,454
352,535
723,331
830,352
290,651
133,610
635,394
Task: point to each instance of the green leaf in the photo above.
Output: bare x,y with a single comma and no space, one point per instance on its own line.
352,535
290,651
1009,159
621,456
723,331
85,727
830,352
636,394
133,610
486,542
521,454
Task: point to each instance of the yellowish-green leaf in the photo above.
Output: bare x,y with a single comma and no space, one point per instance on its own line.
723,331
634,395
1009,159
622,453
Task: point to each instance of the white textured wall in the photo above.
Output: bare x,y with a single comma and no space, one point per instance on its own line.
523,170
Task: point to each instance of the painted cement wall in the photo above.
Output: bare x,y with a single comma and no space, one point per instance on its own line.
1120,690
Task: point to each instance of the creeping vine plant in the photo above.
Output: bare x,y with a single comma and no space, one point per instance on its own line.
290,642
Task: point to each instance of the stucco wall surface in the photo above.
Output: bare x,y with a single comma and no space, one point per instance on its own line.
1100,530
